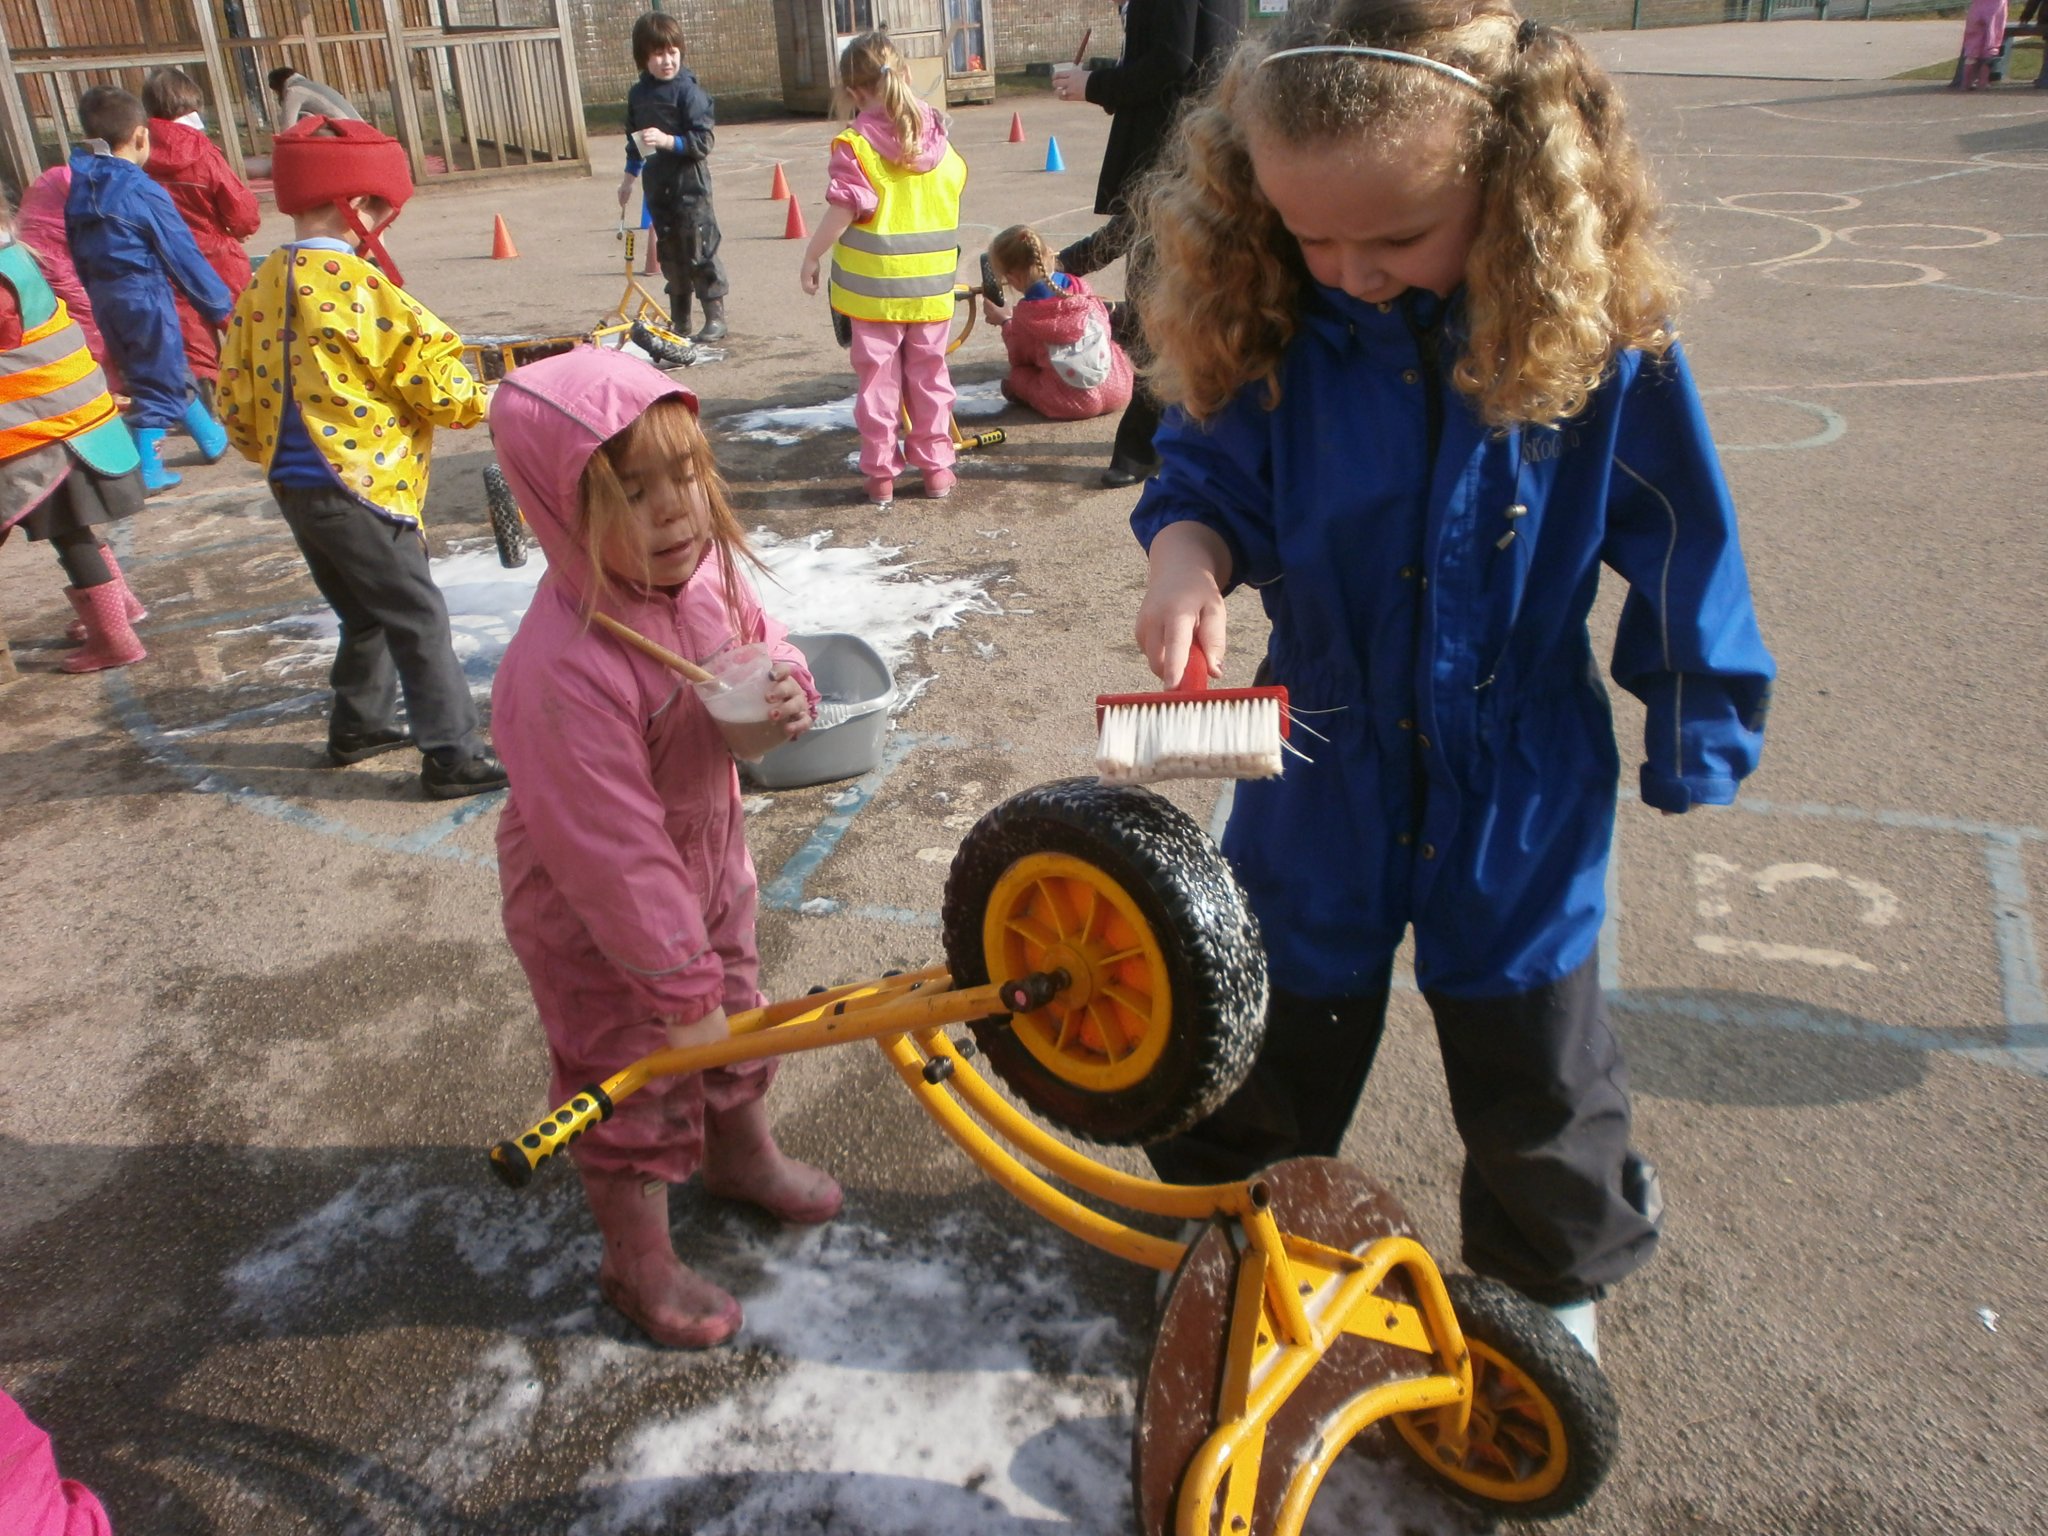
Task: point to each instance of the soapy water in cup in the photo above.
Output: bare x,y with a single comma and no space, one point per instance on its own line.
737,699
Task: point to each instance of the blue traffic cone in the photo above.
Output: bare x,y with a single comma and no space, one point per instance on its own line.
1053,162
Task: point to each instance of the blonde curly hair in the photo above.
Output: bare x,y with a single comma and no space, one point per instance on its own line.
1567,269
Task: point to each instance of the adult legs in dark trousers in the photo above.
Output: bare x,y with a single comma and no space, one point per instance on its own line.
1131,458
686,238
1552,1200
373,571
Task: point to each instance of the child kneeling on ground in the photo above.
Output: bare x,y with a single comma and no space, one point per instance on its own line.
1064,363
629,894
333,378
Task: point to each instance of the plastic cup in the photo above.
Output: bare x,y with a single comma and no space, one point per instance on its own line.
650,140
737,699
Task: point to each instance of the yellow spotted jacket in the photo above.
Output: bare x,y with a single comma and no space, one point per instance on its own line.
373,370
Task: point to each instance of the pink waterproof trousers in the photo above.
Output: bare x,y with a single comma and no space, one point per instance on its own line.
900,367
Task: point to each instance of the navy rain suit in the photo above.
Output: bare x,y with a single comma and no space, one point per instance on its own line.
130,245
1428,580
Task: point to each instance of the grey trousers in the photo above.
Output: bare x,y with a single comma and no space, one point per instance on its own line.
394,623
1553,1201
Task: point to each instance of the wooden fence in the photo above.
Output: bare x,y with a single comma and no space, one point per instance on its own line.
466,99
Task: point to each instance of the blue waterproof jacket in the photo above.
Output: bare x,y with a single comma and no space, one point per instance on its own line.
1428,581
130,245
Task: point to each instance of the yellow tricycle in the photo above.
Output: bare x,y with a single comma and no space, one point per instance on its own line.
1105,962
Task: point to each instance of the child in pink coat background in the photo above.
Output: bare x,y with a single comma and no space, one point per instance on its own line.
1064,363
40,226
629,895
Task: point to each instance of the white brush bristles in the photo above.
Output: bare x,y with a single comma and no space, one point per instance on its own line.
1225,739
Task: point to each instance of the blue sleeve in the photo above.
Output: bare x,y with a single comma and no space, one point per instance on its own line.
1219,474
172,238
1688,645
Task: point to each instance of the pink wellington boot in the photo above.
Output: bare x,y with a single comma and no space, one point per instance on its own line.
136,612
641,1275
109,641
742,1162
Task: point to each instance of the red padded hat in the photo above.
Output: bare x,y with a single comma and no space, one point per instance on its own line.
322,160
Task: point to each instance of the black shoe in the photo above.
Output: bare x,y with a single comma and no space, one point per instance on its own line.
477,775
343,750
714,323
1123,472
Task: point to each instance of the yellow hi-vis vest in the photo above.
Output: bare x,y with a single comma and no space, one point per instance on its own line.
899,263
53,398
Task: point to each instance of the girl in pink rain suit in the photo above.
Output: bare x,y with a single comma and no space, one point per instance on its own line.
629,895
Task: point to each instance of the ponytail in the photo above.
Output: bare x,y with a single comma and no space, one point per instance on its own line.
871,63
1021,249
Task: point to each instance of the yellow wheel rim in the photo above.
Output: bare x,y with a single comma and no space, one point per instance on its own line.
1107,1029
1514,1452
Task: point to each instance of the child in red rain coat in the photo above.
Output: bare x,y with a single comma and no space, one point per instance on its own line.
628,891
216,206
1063,362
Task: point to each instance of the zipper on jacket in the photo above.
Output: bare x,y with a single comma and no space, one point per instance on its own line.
1426,337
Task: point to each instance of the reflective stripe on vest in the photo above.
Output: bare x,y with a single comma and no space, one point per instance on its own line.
899,264
51,390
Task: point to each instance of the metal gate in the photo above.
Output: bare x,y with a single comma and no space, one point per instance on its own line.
467,93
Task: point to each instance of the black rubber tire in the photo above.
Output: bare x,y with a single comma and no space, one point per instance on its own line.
1537,1344
508,527
1203,926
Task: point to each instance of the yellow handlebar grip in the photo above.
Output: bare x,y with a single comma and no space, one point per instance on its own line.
515,1161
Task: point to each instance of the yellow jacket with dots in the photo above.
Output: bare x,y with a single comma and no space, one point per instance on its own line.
373,371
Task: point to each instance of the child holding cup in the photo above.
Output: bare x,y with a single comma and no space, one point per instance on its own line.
670,129
629,895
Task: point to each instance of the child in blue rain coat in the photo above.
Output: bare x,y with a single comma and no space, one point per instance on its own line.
1413,316
130,246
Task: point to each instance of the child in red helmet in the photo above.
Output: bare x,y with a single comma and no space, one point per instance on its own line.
333,378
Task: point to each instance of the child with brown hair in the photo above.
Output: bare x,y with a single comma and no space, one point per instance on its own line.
1412,311
629,892
333,379
671,129
135,254
215,204
1064,363
892,226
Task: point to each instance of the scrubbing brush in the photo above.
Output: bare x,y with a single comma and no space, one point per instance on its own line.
1190,732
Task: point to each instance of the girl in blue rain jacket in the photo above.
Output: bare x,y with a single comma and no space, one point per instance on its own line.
1414,314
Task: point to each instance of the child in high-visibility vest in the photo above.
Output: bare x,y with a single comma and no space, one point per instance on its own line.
893,230
68,465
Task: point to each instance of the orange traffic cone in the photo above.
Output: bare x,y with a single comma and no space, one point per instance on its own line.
652,264
502,248
780,191
794,229
1016,128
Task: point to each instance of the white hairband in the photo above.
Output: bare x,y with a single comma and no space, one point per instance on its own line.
1449,71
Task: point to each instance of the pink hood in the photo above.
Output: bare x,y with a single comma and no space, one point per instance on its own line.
874,126
548,418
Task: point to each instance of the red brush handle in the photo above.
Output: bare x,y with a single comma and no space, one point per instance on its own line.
1196,677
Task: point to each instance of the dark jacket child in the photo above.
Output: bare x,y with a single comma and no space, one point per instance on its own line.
215,203
67,463
333,378
134,253
670,126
